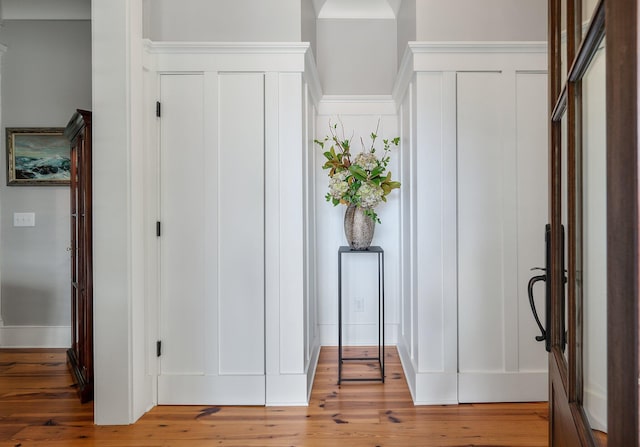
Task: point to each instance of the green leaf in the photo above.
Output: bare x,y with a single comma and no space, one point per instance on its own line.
377,171
358,172
394,185
328,155
396,141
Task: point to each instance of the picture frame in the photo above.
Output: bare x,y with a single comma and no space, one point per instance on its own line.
38,156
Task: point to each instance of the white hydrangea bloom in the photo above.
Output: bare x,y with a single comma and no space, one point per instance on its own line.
366,160
370,195
338,185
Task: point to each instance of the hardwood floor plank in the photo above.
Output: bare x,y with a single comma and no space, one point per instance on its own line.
39,407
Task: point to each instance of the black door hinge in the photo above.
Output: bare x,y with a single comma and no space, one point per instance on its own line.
158,109
158,229
158,348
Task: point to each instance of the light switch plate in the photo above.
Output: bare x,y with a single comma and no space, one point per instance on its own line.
24,219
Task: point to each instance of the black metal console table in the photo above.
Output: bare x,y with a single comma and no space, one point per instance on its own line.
380,254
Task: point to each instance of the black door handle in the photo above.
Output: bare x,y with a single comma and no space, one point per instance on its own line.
532,303
545,331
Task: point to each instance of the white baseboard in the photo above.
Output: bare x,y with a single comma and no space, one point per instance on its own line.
503,387
450,388
286,390
35,336
429,388
595,405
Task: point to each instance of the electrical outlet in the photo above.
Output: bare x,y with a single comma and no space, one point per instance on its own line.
24,219
359,305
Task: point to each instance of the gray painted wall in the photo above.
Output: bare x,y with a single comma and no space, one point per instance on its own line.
357,56
223,20
46,75
309,25
471,20
481,20
406,25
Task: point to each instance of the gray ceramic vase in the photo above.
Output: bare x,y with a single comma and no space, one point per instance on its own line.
358,228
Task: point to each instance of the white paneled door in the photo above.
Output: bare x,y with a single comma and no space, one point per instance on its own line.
212,239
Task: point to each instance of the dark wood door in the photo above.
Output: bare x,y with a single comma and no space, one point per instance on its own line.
572,53
608,37
80,355
622,221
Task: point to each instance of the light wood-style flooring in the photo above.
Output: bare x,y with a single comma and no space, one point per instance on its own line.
39,408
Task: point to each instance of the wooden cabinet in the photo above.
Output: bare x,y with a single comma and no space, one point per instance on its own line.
80,355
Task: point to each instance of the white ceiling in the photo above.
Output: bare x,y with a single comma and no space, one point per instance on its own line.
356,9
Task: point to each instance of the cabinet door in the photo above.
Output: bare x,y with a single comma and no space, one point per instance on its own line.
212,242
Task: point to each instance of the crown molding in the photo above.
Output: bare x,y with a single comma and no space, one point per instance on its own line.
226,47
461,56
357,105
477,47
226,56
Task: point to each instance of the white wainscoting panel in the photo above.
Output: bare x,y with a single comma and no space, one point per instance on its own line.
183,270
240,216
252,146
481,260
532,213
502,209
473,210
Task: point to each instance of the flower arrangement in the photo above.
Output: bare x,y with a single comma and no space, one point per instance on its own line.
361,181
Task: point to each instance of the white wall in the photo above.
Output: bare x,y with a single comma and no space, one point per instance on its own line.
223,20
123,387
46,76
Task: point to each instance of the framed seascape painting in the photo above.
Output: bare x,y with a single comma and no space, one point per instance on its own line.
38,156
